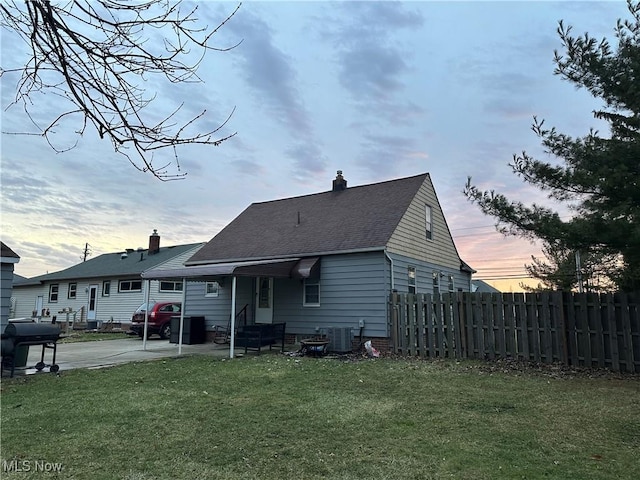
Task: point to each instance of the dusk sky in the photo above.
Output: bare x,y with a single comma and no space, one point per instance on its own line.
379,90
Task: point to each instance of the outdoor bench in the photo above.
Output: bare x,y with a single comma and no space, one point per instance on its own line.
254,337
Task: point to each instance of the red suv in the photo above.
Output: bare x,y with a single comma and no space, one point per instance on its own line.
159,322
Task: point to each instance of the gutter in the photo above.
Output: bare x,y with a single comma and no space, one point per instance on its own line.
278,257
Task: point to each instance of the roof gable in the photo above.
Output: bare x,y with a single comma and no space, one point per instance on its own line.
357,218
8,255
410,238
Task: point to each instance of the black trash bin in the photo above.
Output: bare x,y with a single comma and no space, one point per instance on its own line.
194,330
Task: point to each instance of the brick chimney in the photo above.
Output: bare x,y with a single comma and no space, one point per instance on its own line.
339,183
154,242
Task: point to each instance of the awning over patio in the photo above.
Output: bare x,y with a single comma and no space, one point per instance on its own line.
281,268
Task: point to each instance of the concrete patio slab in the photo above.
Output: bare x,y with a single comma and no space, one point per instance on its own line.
106,353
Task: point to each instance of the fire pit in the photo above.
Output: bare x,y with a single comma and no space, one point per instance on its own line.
315,347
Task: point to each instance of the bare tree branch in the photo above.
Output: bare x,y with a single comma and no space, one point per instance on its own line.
97,54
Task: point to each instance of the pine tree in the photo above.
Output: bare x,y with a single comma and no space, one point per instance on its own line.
598,177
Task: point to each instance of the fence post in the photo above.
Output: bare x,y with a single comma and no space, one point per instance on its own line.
487,310
509,325
597,316
412,302
461,331
625,314
585,318
447,314
531,300
498,315
402,324
431,335
422,347
522,327
468,310
394,321
480,325
544,309
613,331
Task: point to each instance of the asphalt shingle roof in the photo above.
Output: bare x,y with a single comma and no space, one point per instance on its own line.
113,265
6,252
357,218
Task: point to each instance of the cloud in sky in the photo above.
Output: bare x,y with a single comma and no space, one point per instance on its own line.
379,90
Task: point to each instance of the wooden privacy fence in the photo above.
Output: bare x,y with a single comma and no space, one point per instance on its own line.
578,329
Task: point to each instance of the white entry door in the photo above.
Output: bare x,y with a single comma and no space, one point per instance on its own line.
39,304
264,300
93,300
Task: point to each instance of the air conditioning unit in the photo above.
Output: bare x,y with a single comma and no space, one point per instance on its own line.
340,339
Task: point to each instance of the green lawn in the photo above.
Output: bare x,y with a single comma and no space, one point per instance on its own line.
279,417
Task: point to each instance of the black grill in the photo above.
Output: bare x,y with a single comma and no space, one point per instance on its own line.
29,333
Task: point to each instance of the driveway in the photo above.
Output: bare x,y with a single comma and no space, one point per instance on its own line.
106,353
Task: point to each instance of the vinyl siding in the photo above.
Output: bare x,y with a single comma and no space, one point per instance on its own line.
6,280
424,275
118,306
217,310
409,238
352,287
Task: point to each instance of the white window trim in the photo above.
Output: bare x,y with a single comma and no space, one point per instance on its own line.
173,290
436,283
412,268
104,283
130,290
57,292
310,282
428,217
212,294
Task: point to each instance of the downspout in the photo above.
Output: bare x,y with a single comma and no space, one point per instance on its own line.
147,288
393,287
393,283
232,342
184,300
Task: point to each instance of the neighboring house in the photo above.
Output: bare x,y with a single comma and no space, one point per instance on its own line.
8,258
482,287
325,260
104,288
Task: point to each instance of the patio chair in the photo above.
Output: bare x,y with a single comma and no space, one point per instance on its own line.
222,334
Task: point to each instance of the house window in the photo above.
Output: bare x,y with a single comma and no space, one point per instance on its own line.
264,293
429,222
411,274
452,287
73,288
53,292
170,286
130,286
212,289
311,293
106,288
436,283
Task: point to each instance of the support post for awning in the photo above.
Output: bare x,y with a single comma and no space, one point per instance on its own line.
184,299
232,343
147,288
